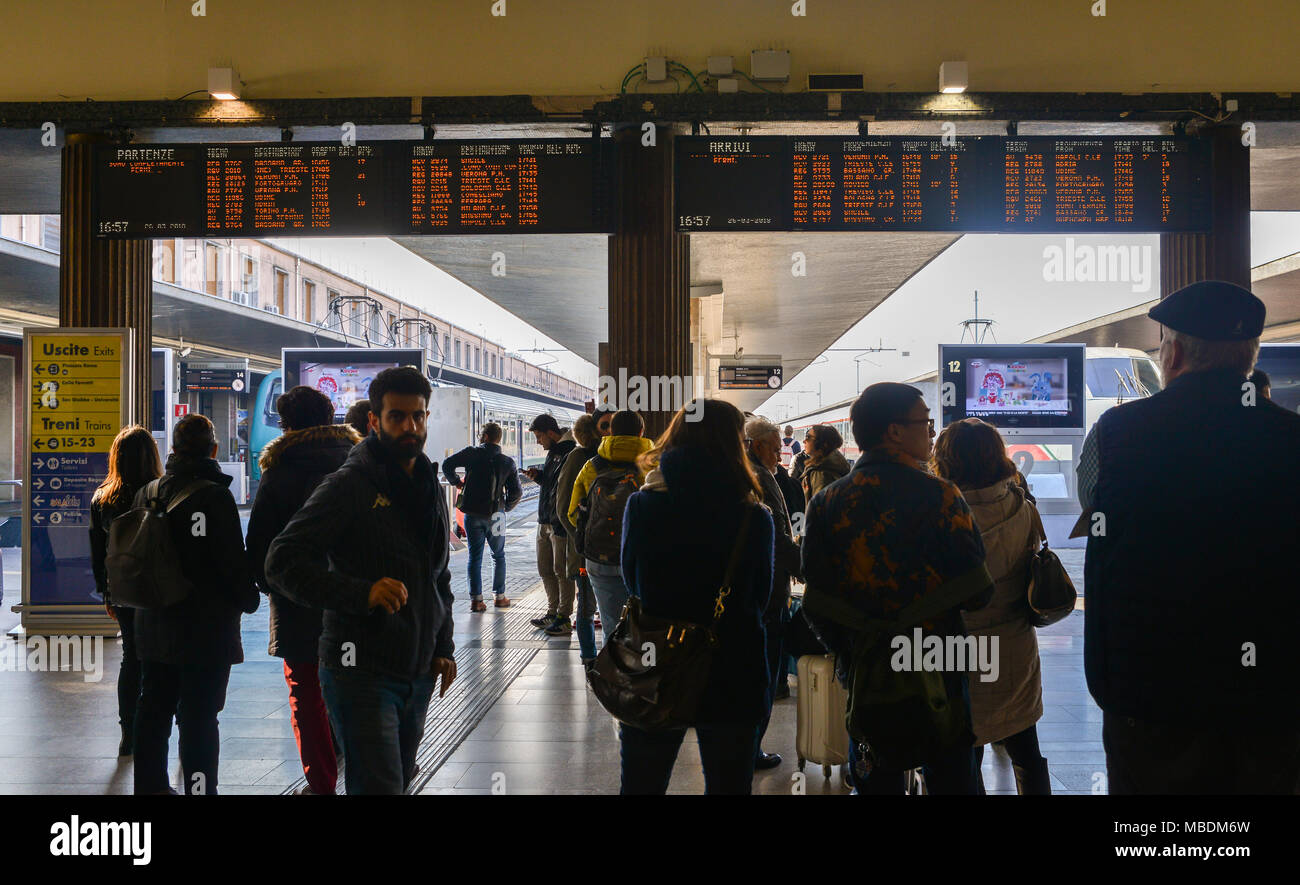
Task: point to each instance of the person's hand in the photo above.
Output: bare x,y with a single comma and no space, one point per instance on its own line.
109,609
532,473
388,594
446,668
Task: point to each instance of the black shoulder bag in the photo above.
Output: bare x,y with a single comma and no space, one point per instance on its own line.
1051,593
652,672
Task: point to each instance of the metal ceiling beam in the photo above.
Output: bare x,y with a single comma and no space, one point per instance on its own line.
662,107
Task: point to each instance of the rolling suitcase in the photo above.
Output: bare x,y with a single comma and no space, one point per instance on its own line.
821,736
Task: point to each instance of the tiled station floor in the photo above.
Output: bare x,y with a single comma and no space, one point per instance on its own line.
520,719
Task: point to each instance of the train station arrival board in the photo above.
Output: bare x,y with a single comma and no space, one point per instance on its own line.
78,399
388,188
1034,184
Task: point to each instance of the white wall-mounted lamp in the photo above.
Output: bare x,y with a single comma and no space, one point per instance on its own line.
223,84
953,76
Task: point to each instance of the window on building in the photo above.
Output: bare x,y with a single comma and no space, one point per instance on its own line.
214,269
478,364
164,260
281,293
457,361
446,346
248,278
492,364
354,319
308,301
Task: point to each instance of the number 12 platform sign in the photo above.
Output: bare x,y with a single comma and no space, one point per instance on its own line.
78,398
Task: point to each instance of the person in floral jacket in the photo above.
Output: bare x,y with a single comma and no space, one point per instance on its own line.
882,538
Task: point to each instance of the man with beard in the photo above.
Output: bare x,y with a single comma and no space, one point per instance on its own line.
370,547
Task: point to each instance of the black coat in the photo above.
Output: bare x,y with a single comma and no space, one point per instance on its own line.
352,531
787,554
203,630
549,480
486,469
101,519
1194,575
678,533
293,464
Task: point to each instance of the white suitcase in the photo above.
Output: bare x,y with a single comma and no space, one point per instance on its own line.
821,737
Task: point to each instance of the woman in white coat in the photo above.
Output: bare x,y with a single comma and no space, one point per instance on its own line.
972,455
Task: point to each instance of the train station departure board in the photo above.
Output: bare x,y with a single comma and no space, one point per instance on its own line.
1034,184
389,188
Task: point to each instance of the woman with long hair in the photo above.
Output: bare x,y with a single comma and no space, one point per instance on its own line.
133,463
825,462
972,455
679,532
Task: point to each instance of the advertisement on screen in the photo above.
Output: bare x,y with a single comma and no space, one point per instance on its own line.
1032,387
344,373
343,384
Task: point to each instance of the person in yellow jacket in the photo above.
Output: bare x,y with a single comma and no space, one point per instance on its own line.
624,445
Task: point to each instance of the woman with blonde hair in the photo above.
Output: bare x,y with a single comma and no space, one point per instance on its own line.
972,455
133,463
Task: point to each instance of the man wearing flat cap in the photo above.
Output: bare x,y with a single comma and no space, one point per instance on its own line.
1191,579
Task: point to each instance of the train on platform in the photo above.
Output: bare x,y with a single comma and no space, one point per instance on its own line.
458,412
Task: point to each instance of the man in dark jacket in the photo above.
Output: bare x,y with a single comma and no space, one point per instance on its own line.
293,464
371,548
885,537
491,486
763,441
1192,602
552,546
186,650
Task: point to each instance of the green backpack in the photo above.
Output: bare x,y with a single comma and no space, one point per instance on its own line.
905,716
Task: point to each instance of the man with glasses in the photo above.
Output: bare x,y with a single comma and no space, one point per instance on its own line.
882,539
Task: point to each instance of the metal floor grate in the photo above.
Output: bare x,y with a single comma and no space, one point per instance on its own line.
502,650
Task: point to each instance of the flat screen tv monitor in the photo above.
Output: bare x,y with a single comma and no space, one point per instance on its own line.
343,374
1282,363
1018,388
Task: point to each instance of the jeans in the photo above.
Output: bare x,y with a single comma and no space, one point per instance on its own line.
380,721
128,675
194,696
611,593
1151,757
553,566
477,530
726,751
585,628
311,726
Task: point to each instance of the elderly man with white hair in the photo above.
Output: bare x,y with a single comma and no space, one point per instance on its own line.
763,443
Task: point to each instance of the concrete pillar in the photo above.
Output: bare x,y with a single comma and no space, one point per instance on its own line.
649,270
106,283
1223,253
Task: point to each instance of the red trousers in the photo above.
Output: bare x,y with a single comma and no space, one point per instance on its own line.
311,726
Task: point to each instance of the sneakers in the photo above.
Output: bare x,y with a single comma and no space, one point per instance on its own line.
502,601
559,627
476,604
543,622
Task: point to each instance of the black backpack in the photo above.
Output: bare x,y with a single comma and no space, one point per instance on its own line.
144,567
600,515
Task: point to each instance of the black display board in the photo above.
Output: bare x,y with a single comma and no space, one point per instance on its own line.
1033,184
389,188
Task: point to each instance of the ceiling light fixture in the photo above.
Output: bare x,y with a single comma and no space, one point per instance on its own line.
953,76
223,84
